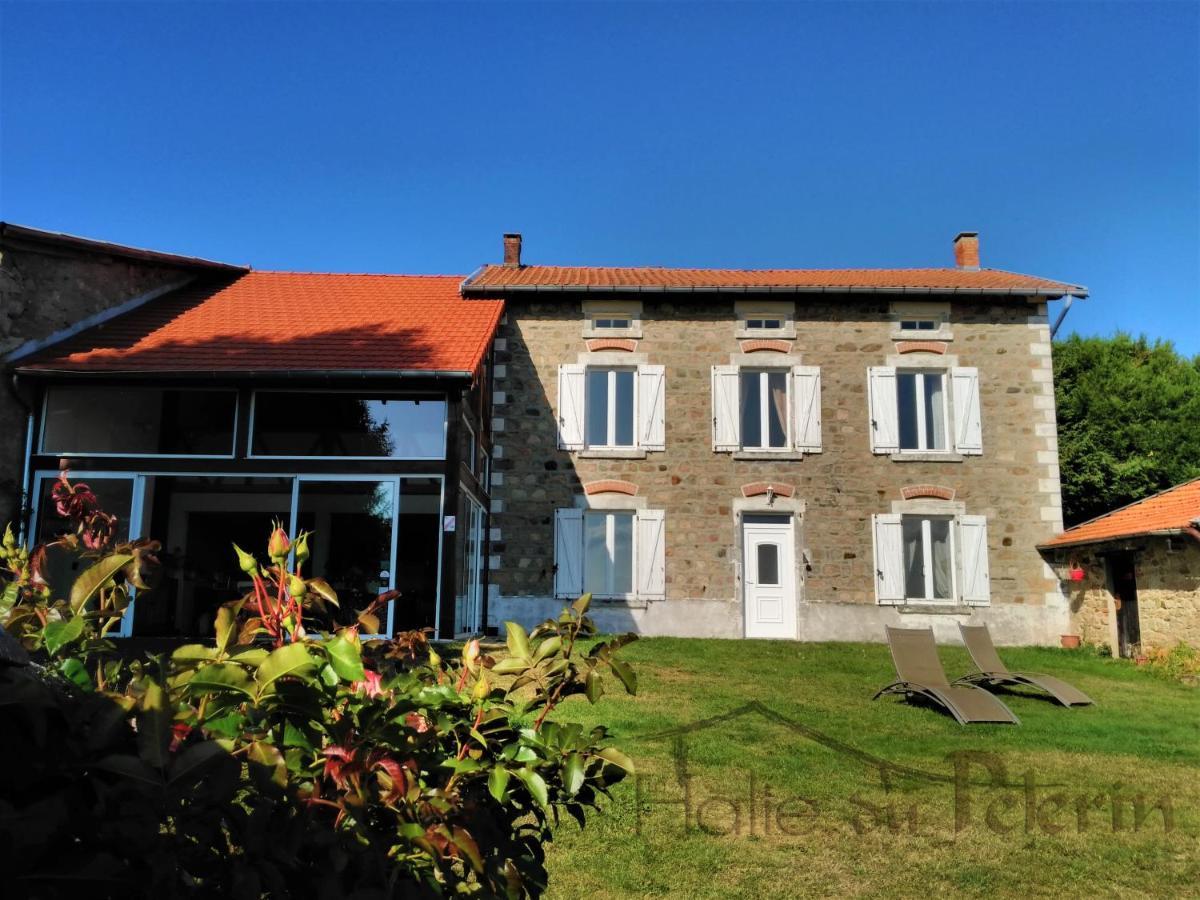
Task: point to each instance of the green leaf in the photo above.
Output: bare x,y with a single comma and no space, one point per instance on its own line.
411,830
328,677
321,587
536,785
191,653
153,726
547,648
130,767
617,758
581,605
96,577
517,640
573,774
626,675
194,760
220,677
268,755
224,627
251,656
593,685
289,660
510,665
345,655
498,783
295,736
75,672
229,725
62,632
8,599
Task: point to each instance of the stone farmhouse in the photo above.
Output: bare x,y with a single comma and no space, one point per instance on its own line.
787,453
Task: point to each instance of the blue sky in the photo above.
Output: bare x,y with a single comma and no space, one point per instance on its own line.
407,138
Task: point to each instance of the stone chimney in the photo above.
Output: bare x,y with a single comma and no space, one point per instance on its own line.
512,250
966,250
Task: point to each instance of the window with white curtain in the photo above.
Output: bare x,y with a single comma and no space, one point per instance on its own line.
608,553
921,409
928,558
613,554
764,409
610,407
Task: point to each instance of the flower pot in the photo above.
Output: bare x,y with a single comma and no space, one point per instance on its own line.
1141,660
1071,641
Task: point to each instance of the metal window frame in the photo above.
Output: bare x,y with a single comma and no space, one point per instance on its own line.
136,523
250,454
41,440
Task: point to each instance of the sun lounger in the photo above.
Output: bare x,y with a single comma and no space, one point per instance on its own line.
992,670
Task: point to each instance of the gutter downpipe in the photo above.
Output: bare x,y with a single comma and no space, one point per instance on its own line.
1062,314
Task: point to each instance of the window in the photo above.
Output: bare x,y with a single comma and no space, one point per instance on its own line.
766,410
928,559
931,557
918,411
106,421
611,408
921,410
609,403
919,325
616,554
295,424
609,324
764,324
920,320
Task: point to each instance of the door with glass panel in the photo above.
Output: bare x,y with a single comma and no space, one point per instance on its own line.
468,617
769,576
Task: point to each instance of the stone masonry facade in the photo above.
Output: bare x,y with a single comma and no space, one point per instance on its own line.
1167,573
1014,482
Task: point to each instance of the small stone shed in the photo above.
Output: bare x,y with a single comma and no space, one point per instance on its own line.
1132,576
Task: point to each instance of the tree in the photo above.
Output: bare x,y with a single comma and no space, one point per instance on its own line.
1128,421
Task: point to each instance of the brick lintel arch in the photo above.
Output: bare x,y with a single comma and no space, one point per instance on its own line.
758,488
938,347
610,486
764,344
935,491
626,344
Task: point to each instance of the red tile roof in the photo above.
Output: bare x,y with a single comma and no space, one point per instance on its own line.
289,321
1171,511
916,281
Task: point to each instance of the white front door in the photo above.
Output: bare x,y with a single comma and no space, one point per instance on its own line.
769,576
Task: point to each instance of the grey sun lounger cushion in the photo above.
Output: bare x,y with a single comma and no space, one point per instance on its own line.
993,671
920,673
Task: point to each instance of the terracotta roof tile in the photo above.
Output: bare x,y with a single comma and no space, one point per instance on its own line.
290,321
991,281
1173,510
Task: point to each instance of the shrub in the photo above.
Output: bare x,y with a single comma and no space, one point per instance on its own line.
1179,663
280,759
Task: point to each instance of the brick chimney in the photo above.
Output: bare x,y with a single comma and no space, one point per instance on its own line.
512,250
966,250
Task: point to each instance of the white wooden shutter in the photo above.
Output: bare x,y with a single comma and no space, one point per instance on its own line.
650,554
806,406
725,408
881,398
974,582
568,553
570,406
652,414
968,424
889,558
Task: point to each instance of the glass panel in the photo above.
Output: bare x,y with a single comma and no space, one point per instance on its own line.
943,559
316,424
914,559
197,519
622,580
138,420
751,410
468,561
935,413
595,554
611,323
596,404
351,542
768,563
417,549
906,394
624,436
777,405
764,323
115,496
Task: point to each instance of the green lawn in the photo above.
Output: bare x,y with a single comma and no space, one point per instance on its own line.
815,818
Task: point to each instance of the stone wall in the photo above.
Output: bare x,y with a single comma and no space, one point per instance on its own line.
1014,482
44,289
1168,589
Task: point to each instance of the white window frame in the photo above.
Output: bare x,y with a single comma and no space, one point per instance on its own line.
938,312
610,542
764,407
747,311
611,421
599,310
947,420
926,521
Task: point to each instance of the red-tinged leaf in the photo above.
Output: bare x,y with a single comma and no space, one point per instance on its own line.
96,577
464,842
321,588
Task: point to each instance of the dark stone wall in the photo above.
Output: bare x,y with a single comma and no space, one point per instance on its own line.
43,289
